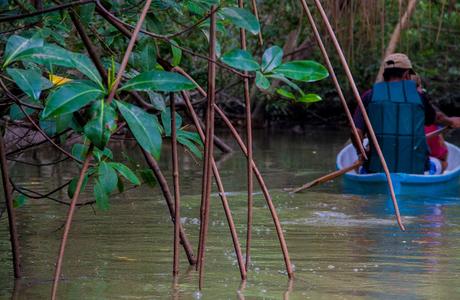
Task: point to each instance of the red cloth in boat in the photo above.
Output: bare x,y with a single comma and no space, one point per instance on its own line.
436,144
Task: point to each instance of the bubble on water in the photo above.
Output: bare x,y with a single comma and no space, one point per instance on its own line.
293,267
330,267
197,295
404,242
192,221
355,270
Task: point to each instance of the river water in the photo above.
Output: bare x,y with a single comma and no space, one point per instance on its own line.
342,246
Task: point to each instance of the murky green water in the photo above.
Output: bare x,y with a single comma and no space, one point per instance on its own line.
342,246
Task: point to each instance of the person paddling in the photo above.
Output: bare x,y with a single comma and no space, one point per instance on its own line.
436,144
398,113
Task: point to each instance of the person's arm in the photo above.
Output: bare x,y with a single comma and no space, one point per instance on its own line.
356,142
358,119
443,119
434,116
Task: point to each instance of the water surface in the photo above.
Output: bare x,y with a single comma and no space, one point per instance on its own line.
342,246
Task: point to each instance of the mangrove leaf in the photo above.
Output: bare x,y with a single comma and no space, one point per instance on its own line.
125,172
102,198
17,45
240,59
69,98
19,200
309,98
101,125
159,81
302,70
285,93
30,82
272,58
73,185
242,18
107,177
83,64
261,81
144,127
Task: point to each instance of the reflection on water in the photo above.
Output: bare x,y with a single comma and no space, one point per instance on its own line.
342,246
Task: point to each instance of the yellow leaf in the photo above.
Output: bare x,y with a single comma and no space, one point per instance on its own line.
58,80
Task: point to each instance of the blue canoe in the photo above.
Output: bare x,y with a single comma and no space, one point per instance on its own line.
444,184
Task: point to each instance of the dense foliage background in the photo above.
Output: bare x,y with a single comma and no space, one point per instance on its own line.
363,27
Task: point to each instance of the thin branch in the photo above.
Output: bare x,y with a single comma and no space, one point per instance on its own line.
37,127
38,164
121,26
45,11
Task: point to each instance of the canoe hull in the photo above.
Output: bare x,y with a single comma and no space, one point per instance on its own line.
445,184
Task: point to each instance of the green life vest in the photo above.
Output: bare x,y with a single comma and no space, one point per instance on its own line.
397,115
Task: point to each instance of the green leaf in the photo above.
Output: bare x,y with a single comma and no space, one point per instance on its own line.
126,172
285,93
48,34
287,81
17,114
69,98
187,143
159,81
30,82
86,12
107,153
80,151
63,122
242,18
200,7
17,45
240,59
166,121
303,70
100,155
73,186
83,64
19,201
56,124
195,8
146,58
101,125
144,127
193,136
49,55
176,53
309,98
148,177
261,81
102,198
107,177
272,58
218,45
157,100
48,126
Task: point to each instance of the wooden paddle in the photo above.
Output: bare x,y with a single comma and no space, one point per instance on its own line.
328,177
357,164
437,132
